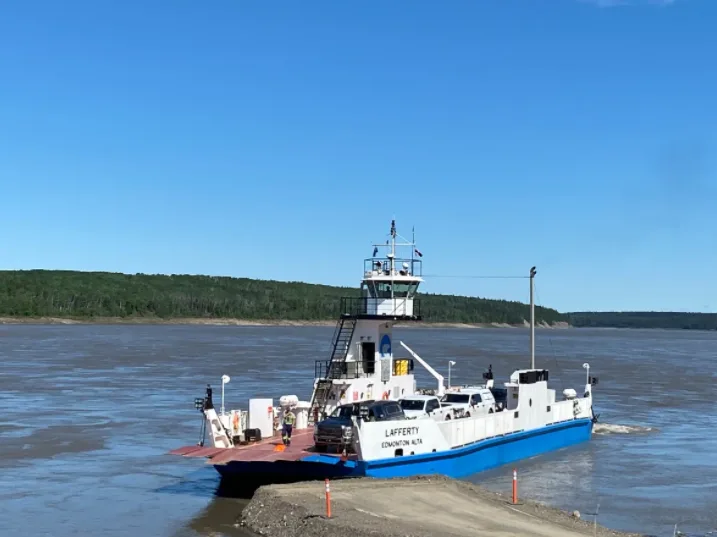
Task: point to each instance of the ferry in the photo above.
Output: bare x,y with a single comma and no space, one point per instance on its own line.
366,415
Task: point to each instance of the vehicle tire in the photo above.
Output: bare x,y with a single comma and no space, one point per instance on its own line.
320,448
468,415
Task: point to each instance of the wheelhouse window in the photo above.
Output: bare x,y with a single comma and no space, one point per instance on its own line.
384,289
403,290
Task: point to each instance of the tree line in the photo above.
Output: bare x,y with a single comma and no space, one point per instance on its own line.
85,295
74,294
644,319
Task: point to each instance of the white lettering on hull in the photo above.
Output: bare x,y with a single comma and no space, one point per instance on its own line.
401,431
401,443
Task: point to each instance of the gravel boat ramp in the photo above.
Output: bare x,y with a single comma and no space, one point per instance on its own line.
429,506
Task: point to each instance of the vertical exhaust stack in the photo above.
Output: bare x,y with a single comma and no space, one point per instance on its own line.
532,317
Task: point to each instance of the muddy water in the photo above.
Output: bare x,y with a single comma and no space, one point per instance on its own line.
87,414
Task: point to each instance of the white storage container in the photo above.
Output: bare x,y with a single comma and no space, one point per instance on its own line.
302,414
261,416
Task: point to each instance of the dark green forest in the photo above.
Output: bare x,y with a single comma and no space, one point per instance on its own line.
85,295
644,319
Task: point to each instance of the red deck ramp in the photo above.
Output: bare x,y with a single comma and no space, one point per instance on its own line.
266,450
205,452
185,450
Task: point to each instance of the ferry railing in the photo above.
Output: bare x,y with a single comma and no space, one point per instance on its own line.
397,307
382,266
337,370
354,370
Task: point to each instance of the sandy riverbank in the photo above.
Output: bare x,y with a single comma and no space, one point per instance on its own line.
245,322
159,320
412,507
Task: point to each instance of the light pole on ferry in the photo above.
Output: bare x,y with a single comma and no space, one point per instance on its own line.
225,379
450,363
586,366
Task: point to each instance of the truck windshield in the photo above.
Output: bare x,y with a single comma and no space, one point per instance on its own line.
411,404
343,412
455,398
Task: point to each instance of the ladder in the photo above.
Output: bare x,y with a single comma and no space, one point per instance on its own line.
342,339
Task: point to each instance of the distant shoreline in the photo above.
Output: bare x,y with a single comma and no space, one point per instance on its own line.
194,321
200,321
74,297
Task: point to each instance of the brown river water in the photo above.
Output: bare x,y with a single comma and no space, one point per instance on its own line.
88,414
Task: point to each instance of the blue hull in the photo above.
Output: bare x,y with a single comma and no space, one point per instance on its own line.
459,462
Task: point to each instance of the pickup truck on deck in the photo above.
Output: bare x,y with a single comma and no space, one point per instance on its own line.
336,431
426,406
471,401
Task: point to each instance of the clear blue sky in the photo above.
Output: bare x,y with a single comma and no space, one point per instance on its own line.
278,139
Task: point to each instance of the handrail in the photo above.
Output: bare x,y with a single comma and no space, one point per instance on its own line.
326,369
358,306
428,368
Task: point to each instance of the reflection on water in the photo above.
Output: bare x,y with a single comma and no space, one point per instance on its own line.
221,514
89,413
219,517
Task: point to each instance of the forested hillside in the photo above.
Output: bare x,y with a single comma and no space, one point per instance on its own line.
86,295
46,293
644,319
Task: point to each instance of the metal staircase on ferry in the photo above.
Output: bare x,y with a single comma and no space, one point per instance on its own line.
342,339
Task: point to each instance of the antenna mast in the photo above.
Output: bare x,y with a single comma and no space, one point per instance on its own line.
393,240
